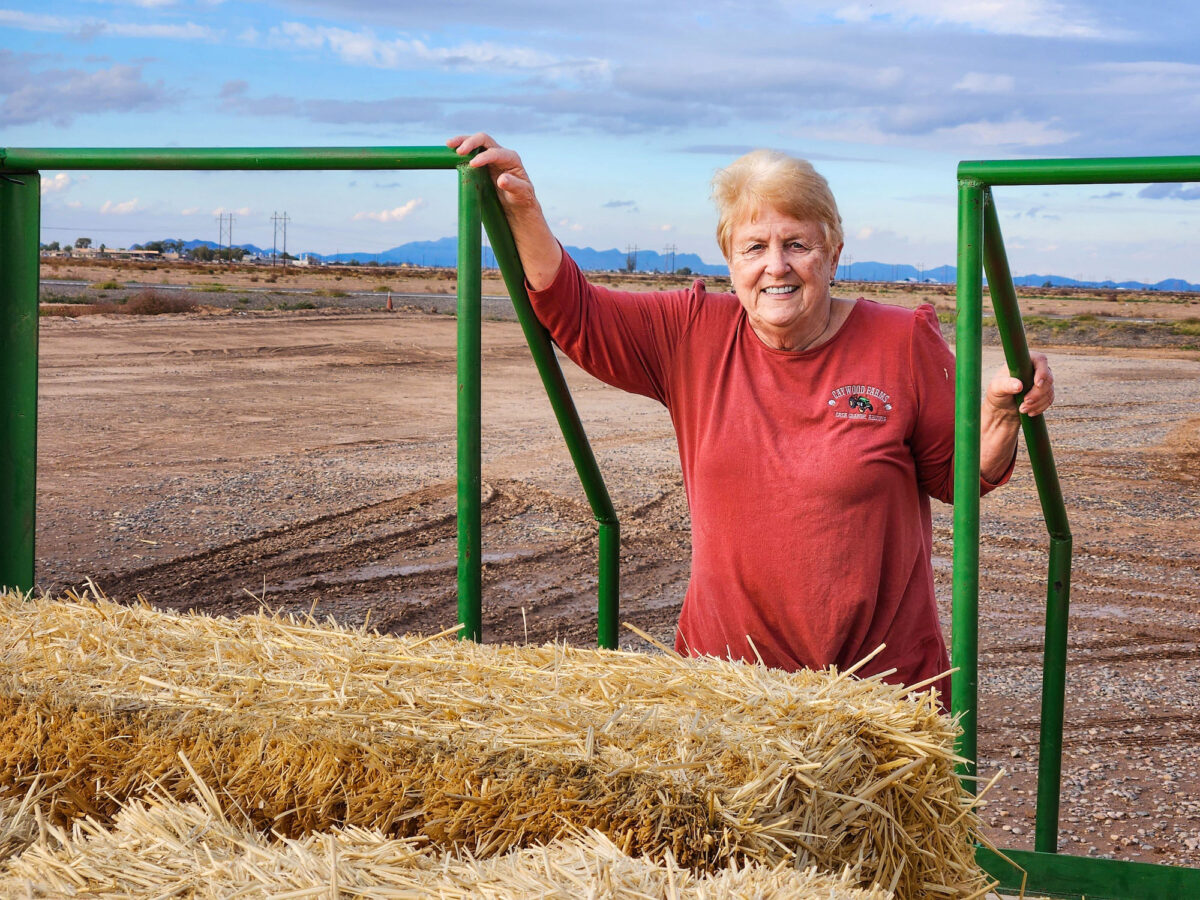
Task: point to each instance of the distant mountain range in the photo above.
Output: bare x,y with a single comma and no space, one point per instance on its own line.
444,252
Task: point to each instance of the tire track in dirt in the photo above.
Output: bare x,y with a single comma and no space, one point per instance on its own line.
394,563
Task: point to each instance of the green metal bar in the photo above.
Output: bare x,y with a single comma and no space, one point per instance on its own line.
470,479
1079,877
1115,170
509,261
20,209
968,366
1041,457
231,158
1054,694
608,605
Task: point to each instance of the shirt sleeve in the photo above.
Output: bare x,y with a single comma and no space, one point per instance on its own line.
626,339
932,438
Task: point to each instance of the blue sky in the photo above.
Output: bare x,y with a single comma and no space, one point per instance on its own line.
622,110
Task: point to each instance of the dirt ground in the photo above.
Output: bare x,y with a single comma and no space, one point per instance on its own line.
305,461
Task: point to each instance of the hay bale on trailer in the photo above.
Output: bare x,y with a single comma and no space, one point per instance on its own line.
161,849
305,728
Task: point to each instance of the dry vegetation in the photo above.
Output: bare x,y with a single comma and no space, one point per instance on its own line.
1053,316
170,849
296,730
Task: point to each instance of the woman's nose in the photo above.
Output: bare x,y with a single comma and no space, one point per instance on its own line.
777,263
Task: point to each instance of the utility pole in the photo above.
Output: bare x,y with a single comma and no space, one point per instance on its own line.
280,221
669,253
225,233
631,252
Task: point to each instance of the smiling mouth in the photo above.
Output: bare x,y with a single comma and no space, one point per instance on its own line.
780,291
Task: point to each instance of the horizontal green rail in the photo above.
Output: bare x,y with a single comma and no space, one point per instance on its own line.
1114,170
1055,875
266,158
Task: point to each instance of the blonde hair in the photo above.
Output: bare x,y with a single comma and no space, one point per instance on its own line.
768,178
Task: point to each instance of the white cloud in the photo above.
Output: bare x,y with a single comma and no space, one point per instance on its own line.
364,48
1007,134
666,227
1031,18
240,211
119,209
60,181
986,83
1152,77
865,232
96,27
392,215
190,211
58,95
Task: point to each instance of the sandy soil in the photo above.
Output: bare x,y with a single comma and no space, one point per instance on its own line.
305,461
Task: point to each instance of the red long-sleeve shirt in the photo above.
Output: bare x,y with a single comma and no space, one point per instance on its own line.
808,474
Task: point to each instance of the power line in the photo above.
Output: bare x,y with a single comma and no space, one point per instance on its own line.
669,252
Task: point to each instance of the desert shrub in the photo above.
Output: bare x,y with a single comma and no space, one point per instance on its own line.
109,285
75,310
1190,325
157,303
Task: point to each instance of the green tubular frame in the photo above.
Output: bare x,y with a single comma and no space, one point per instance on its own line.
477,204
981,250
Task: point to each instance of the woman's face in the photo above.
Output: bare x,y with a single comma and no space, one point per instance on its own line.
781,271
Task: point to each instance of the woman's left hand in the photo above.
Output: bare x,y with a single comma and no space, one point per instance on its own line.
1003,389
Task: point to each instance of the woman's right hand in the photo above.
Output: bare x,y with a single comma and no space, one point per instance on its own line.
504,165
540,252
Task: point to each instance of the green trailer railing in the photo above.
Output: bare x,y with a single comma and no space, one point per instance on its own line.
477,205
981,250
1042,871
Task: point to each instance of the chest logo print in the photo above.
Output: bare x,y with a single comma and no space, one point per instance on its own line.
860,401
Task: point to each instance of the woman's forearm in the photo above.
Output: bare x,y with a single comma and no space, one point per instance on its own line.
997,441
540,252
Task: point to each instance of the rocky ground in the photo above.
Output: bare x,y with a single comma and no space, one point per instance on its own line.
305,461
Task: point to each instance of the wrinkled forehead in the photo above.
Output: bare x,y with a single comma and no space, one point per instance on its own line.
761,220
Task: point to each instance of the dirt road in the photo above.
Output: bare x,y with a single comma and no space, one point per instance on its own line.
305,461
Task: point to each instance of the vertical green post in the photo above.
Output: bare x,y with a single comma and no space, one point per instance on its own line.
968,372
20,210
1058,588
470,479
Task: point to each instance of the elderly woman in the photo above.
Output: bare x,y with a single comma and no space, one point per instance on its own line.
812,429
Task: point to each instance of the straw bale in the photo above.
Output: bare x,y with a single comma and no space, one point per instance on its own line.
20,823
162,848
305,728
